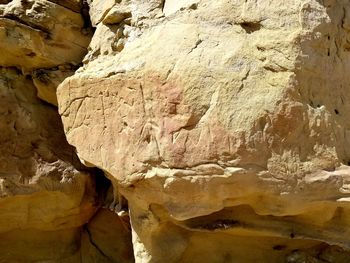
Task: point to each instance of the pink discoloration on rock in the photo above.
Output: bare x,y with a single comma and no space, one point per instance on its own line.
150,124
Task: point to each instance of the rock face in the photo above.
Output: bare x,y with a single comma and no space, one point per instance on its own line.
223,123
44,198
49,202
41,34
222,127
48,35
106,239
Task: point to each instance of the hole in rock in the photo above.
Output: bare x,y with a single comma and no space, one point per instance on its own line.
35,145
313,105
85,14
148,138
194,6
31,54
279,247
250,27
336,111
102,183
28,77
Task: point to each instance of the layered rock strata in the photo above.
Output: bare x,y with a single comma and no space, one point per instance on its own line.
223,123
44,198
50,204
45,39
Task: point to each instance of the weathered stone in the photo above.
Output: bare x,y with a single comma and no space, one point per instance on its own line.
44,198
216,121
107,239
33,245
172,6
40,34
222,125
46,81
117,14
99,9
48,200
74,5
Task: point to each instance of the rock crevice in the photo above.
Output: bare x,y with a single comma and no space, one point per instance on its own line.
222,127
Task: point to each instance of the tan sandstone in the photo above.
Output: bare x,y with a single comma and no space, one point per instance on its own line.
44,198
40,34
224,125
49,202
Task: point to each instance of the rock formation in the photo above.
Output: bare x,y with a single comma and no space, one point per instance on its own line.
49,203
221,125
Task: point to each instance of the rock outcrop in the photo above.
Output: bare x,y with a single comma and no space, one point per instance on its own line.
49,202
44,198
198,131
223,123
46,39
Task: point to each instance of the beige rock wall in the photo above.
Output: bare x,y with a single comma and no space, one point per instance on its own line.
47,197
221,125
44,198
39,36
107,239
224,125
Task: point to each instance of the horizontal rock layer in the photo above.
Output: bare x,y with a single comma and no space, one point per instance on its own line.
222,127
49,202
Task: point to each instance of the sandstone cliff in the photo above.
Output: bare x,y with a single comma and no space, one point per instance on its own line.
222,127
50,204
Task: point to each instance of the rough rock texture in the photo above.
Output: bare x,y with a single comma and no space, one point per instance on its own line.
110,236
223,123
44,199
49,202
222,127
40,34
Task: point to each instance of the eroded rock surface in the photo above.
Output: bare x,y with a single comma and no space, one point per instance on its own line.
41,34
44,35
107,238
47,197
42,191
223,123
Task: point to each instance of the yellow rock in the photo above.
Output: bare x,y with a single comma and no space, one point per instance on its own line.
40,34
224,124
44,198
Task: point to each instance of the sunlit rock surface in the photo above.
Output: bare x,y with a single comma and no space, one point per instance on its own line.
223,123
222,127
48,200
